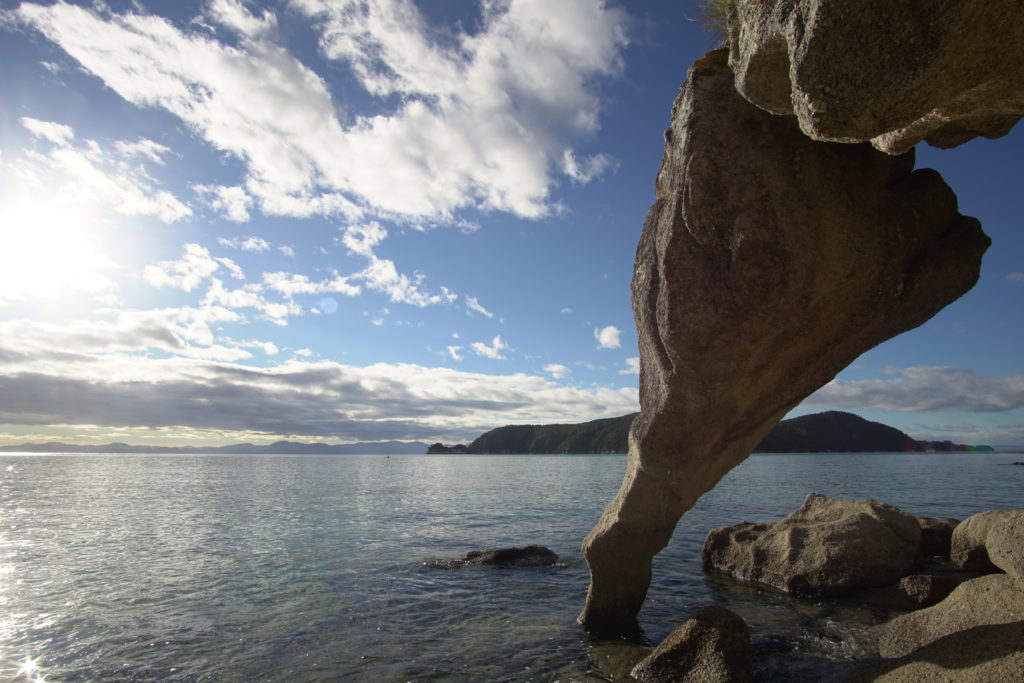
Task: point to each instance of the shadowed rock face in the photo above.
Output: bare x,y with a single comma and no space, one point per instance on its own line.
894,72
767,264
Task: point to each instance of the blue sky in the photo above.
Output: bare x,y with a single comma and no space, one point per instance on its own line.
359,220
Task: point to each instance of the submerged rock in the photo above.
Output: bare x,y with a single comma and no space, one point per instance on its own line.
712,646
826,547
530,556
892,73
767,264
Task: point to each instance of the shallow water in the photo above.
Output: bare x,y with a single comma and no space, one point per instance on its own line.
306,568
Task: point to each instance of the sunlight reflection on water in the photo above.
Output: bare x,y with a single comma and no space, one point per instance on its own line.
236,568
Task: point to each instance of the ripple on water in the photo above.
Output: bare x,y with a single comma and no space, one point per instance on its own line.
212,568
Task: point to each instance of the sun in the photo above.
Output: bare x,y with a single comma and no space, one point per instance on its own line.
47,251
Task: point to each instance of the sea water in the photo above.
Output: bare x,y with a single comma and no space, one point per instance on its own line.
314,568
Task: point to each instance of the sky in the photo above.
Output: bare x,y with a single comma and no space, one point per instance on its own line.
364,220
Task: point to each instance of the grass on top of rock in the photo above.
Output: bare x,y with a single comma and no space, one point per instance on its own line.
715,16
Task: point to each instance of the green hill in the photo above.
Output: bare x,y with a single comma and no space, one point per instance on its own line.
598,436
828,432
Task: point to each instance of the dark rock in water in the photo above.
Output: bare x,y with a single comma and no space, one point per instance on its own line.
909,593
712,645
936,534
826,547
530,556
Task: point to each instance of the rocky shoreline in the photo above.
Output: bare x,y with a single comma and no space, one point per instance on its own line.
957,588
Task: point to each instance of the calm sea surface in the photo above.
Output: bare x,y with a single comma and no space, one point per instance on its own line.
285,568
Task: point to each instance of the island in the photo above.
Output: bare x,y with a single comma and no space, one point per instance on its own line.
827,432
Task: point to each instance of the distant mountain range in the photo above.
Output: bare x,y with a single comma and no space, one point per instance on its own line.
829,432
276,448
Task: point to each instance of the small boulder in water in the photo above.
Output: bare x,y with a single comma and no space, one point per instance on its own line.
712,645
530,556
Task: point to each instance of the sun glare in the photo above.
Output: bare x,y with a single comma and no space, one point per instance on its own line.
47,251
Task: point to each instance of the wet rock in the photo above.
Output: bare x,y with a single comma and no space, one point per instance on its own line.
891,73
530,556
826,547
970,542
985,601
935,535
767,264
909,593
712,646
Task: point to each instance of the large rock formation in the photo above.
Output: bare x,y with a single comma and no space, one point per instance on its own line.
712,645
825,547
767,264
890,72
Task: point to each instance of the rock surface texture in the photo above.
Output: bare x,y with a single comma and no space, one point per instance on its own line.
985,601
909,593
892,73
990,541
767,263
826,547
712,646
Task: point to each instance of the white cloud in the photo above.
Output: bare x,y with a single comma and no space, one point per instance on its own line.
79,374
455,352
494,350
245,243
382,276
291,284
924,389
557,371
186,273
361,239
287,250
582,171
233,202
566,310
1015,277
608,337
153,151
234,15
232,267
482,120
474,305
57,133
86,174
632,366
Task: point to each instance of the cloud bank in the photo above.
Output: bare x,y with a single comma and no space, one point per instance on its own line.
105,374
